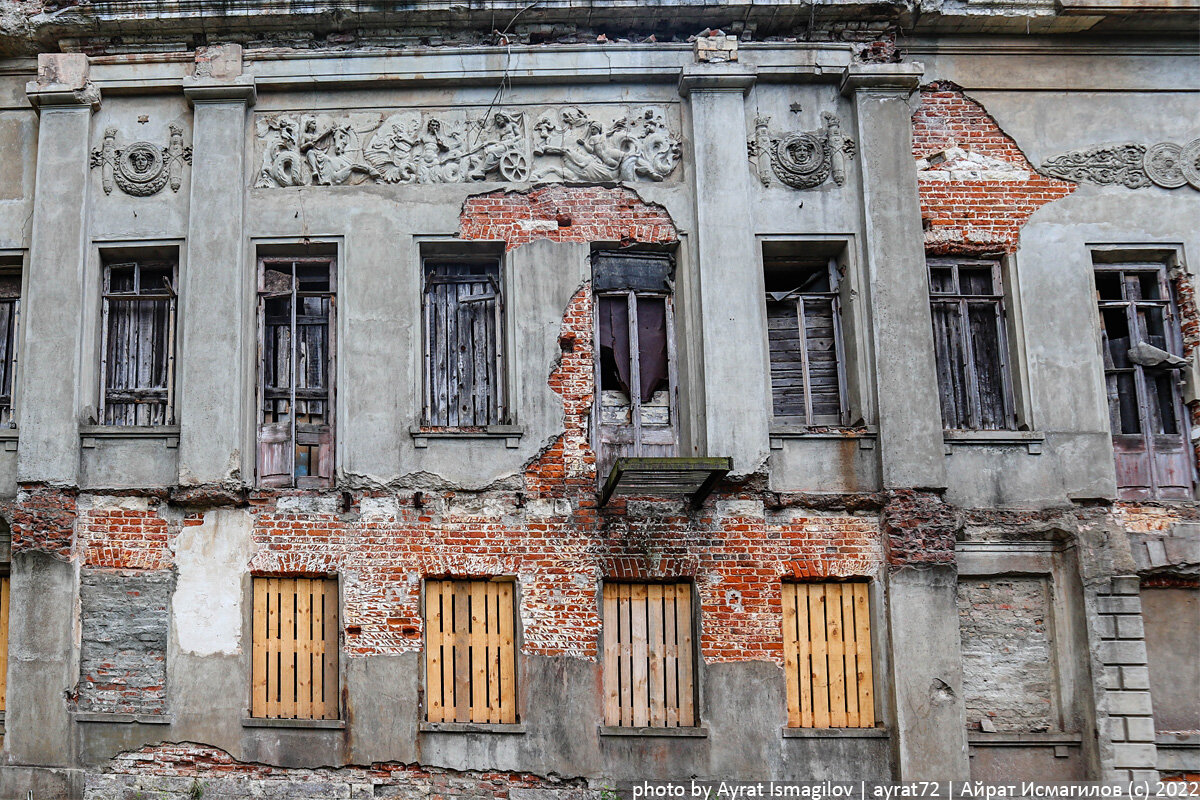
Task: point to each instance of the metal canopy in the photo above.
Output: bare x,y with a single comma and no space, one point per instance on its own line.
665,477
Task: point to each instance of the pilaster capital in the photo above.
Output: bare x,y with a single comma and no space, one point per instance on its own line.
209,90
898,78
62,82
726,77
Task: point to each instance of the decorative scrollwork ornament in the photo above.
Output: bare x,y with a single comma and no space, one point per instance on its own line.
801,159
141,169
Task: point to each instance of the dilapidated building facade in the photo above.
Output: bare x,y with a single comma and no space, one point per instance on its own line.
515,401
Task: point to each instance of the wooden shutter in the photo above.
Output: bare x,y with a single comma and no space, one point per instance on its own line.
295,674
463,308
4,607
648,655
827,655
470,652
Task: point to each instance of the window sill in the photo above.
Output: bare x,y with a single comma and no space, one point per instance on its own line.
866,436
835,733
312,724
1005,739
511,434
472,727
1031,440
697,732
117,717
9,438
90,434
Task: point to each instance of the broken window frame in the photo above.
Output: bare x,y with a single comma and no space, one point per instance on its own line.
322,440
139,395
1149,416
962,304
10,330
437,412
803,300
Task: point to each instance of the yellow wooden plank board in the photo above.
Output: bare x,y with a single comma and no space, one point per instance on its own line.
449,705
287,647
433,652
835,655
654,652
493,650
850,647
508,654
462,651
258,637
273,650
862,624
641,704
304,649
478,652
687,654
791,666
820,663
626,658
612,680
804,656
671,655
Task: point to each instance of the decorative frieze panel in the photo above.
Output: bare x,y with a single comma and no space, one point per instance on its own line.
801,159
1135,166
142,168
560,143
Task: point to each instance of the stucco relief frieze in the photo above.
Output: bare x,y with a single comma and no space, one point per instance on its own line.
569,144
142,168
1129,164
801,159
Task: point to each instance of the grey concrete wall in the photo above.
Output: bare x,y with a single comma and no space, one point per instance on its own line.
1172,632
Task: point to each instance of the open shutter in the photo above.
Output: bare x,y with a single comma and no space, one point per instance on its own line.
275,454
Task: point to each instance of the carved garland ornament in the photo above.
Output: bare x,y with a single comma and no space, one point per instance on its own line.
1165,164
141,169
560,144
802,160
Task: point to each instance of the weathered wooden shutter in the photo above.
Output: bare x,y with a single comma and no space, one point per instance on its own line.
470,652
275,454
464,361
648,655
138,347
295,640
827,655
10,308
805,373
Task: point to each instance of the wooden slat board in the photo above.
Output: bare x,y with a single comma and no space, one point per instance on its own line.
470,663
827,655
648,658
4,606
295,648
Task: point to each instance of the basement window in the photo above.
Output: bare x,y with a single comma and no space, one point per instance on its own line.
137,351
10,330
297,328
805,338
649,658
470,651
464,341
971,345
295,648
1143,372
827,655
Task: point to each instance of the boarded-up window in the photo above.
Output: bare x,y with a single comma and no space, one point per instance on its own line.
464,350
827,655
635,357
970,344
1139,326
137,369
648,656
297,333
295,673
804,335
4,607
470,651
10,315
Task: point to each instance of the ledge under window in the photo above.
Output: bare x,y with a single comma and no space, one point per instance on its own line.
121,718
1030,440
90,434
511,434
9,438
835,733
472,727
275,722
865,436
697,732
1021,739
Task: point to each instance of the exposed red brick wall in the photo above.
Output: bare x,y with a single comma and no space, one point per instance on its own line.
565,214
124,538
979,196
919,528
43,520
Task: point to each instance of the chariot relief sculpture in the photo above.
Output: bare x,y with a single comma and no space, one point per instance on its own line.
1129,164
561,144
142,168
804,159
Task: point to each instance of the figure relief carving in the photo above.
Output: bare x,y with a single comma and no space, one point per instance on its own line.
801,159
141,169
1129,164
412,146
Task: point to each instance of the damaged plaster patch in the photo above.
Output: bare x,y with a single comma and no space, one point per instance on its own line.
211,558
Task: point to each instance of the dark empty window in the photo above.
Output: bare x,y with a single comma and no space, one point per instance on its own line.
804,335
1142,362
10,314
464,352
970,345
137,369
296,312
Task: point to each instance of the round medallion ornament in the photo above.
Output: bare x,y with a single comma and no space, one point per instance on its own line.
141,169
1189,162
1162,164
801,160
